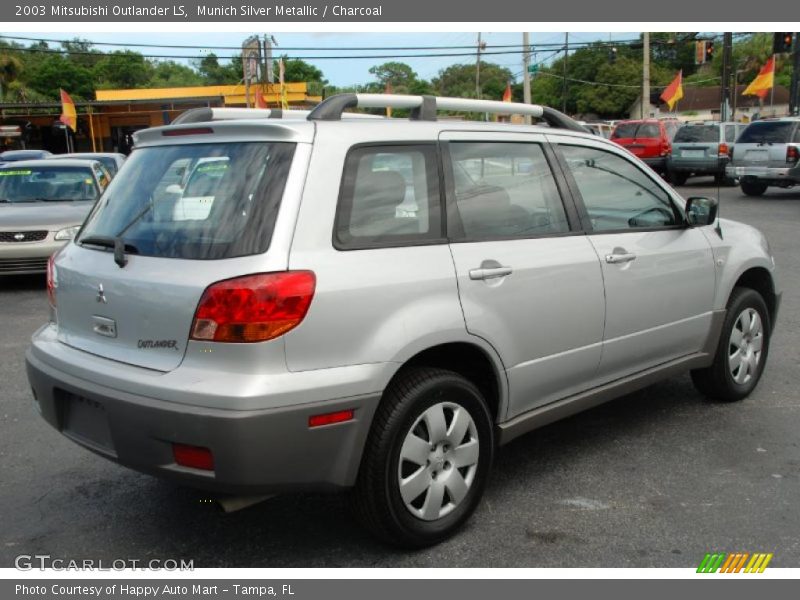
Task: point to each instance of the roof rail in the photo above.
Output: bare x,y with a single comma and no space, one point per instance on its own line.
424,108
206,114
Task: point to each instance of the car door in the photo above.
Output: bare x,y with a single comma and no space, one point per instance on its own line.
529,282
658,271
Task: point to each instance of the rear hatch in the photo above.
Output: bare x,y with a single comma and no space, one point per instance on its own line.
128,288
696,142
764,143
642,138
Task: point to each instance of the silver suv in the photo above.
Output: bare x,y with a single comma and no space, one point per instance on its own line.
767,154
377,304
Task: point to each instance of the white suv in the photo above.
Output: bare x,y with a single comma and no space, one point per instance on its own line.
376,304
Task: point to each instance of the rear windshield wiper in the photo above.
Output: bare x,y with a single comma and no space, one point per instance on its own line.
117,243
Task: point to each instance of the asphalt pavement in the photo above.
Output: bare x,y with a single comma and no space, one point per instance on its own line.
655,479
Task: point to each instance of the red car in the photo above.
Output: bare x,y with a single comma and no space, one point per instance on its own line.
648,139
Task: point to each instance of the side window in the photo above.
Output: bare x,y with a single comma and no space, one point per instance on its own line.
505,189
730,133
389,197
796,136
617,194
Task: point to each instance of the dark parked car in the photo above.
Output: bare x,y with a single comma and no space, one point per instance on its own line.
702,148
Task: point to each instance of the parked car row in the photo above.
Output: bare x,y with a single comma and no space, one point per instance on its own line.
757,155
44,199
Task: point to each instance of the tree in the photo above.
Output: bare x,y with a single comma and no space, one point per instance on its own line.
172,74
55,72
298,70
459,81
122,69
214,73
397,74
10,67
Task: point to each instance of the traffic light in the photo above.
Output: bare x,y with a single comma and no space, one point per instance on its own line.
709,50
782,42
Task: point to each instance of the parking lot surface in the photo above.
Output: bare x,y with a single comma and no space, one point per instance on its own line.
655,479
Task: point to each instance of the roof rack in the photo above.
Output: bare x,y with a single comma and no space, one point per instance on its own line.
424,108
206,114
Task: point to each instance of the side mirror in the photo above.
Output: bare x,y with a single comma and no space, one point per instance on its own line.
701,211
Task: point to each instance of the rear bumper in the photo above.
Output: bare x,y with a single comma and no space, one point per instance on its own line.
769,175
658,164
688,165
255,451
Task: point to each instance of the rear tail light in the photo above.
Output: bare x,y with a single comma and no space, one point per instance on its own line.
254,308
792,154
194,457
724,150
51,280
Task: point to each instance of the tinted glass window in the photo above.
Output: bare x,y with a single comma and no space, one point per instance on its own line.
161,215
698,133
767,132
508,190
616,193
47,184
640,130
390,196
730,133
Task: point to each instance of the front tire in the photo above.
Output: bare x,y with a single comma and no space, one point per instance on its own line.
426,460
742,351
753,188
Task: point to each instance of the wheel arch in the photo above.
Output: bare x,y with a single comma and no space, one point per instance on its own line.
760,279
474,361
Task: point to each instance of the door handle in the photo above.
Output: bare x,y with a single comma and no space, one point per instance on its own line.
615,259
489,273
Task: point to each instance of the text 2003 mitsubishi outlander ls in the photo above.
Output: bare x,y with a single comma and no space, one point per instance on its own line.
328,301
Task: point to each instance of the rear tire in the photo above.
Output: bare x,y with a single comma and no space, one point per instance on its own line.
742,350
426,460
753,188
678,178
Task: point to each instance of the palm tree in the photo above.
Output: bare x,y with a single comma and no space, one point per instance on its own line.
10,67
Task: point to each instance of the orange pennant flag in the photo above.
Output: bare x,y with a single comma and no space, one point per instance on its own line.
507,93
69,116
674,91
261,102
763,81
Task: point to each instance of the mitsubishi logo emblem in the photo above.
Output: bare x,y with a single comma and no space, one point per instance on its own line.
19,236
101,295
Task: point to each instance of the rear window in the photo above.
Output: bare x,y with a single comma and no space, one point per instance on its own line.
767,132
634,130
195,201
698,133
47,184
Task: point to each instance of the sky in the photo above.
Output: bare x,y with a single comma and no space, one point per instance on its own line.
346,72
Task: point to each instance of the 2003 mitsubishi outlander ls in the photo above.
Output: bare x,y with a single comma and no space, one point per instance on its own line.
371,303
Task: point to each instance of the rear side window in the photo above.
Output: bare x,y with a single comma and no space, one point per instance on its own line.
618,195
767,132
195,201
389,197
505,190
730,133
698,133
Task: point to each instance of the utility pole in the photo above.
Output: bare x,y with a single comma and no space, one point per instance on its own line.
526,76
564,87
794,92
478,69
646,76
727,60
